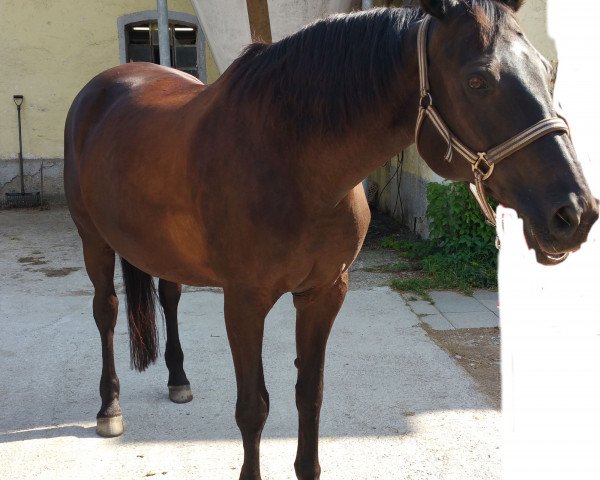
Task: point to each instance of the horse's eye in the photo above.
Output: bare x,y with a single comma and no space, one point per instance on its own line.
477,83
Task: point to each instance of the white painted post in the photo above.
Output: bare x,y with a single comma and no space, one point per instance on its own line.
550,316
164,47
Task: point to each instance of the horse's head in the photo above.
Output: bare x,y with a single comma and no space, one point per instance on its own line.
489,84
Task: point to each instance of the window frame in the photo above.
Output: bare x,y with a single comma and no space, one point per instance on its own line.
149,16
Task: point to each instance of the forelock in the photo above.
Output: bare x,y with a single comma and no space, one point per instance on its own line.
489,17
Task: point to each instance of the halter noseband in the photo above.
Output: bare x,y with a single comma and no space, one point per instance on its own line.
482,163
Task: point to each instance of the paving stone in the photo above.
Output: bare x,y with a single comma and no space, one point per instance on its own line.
421,307
437,322
483,319
452,302
488,299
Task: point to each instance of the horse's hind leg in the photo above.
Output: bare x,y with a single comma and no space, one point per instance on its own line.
245,313
315,314
169,294
100,265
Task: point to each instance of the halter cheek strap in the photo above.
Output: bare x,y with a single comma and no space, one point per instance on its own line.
482,163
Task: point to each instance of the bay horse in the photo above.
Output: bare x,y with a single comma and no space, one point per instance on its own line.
253,183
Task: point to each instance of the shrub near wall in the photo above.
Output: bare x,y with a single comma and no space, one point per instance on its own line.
464,250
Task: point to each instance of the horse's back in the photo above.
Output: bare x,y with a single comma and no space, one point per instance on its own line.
135,87
128,97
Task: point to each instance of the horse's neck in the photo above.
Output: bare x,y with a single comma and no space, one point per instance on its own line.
327,164
367,146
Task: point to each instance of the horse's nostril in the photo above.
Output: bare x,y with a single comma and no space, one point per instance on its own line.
565,221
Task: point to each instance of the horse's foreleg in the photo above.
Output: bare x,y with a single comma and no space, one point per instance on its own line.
244,318
169,294
315,314
100,265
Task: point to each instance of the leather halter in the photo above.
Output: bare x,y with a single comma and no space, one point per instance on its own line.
482,163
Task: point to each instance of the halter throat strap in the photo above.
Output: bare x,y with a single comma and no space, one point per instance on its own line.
482,163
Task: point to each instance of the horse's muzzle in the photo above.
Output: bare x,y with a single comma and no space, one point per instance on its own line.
567,227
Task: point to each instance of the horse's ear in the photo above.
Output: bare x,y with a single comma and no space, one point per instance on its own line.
437,8
514,4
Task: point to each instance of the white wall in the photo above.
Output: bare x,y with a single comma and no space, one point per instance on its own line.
550,316
226,25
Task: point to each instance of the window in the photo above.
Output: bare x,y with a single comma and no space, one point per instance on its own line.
141,40
138,40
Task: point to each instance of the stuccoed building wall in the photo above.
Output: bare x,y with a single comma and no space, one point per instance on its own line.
402,186
49,49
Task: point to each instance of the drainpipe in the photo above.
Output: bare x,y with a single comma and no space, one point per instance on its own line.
164,47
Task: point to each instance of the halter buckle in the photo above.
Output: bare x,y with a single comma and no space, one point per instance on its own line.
485,172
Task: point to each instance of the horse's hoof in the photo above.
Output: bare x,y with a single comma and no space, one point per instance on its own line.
180,393
110,426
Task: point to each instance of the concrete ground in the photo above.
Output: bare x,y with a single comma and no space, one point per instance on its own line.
397,406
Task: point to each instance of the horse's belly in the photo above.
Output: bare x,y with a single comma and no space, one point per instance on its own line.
160,239
175,259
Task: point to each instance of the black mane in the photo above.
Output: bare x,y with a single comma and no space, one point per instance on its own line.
312,75
327,75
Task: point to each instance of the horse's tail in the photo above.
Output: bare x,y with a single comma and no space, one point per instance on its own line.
140,293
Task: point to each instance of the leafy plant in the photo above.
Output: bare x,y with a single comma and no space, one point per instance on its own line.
457,225
460,253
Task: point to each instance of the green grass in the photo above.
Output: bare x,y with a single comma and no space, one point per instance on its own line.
440,270
402,266
460,254
419,285
413,249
